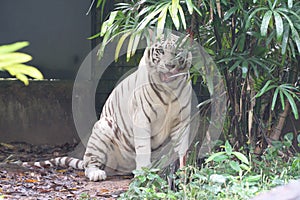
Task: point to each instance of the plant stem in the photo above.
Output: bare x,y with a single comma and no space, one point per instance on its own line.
277,130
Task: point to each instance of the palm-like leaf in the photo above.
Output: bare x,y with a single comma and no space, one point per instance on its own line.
286,92
132,18
284,16
12,62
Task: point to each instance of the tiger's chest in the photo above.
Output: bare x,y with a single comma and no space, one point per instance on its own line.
160,113
153,110
143,105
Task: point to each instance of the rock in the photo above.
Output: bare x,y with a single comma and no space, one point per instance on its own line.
291,191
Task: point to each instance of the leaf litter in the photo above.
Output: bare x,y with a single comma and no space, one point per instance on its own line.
17,182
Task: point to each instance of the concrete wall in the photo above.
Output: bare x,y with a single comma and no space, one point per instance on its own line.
40,113
57,31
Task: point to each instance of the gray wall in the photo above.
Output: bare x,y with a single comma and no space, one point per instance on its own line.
57,31
40,113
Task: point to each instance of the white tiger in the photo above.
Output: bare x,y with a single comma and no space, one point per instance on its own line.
142,114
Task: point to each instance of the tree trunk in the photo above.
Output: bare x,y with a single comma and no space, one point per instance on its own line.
277,130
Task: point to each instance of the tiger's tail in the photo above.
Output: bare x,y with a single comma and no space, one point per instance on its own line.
59,161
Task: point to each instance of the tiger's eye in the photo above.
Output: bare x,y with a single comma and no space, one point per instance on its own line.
160,51
181,61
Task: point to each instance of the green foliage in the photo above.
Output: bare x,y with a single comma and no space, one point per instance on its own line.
84,196
147,184
275,162
229,159
256,44
13,62
217,178
129,20
287,92
284,16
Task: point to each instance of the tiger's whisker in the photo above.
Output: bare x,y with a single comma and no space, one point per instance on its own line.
179,74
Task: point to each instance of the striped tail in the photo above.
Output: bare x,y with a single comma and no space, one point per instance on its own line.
59,161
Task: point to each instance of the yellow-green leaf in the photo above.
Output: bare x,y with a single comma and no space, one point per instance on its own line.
182,16
16,69
213,156
103,44
130,46
22,78
234,165
13,58
136,42
175,18
149,17
162,20
241,157
120,43
189,5
107,24
94,36
13,47
254,178
175,4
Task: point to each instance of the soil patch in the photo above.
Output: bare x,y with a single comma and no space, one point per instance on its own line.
18,182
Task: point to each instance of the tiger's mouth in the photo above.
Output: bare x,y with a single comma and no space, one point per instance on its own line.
170,76
166,77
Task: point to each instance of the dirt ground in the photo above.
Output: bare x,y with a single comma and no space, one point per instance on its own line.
17,182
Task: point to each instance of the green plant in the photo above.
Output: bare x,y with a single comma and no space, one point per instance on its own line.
284,16
256,45
229,159
287,93
275,165
218,178
85,196
13,62
147,184
130,18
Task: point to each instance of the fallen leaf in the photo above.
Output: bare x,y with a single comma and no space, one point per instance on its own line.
104,190
62,170
31,180
80,173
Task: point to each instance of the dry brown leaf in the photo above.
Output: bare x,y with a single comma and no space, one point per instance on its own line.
103,190
31,180
62,170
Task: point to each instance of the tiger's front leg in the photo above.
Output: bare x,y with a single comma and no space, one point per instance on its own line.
180,141
95,156
182,161
142,142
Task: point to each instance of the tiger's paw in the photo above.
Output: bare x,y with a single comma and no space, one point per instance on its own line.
95,174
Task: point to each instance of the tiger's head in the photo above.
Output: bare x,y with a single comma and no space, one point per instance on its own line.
168,60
